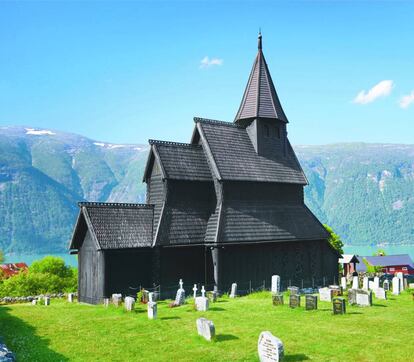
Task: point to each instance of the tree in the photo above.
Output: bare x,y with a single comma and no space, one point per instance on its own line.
1,257
379,252
334,239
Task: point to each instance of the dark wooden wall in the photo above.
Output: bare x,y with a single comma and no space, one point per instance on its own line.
91,272
156,193
313,262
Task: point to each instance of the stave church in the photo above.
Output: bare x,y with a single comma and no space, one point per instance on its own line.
226,207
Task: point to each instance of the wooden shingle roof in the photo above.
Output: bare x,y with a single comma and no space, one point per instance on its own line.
235,158
114,226
260,99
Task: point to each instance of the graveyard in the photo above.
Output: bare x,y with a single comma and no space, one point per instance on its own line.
63,331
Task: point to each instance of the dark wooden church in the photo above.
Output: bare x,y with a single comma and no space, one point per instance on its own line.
226,207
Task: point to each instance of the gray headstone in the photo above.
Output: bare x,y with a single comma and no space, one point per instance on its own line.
106,302
311,302
343,283
293,290
117,299
396,286
380,293
352,296
206,329
277,299
325,295
152,310
47,300
269,348
386,285
365,284
364,298
294,300
129,304
376,283
201,304
338,306
233,292
355,283
275,284
70,297
180,297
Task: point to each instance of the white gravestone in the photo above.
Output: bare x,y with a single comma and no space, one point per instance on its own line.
195,291
386,284
152,310
205,328
370,285
325,295
343,283
396,286
365,283
47,300
106,302
355,283
400,276
180,296
202,302
364,299
275,284
129,303
270,348
233,292
70,297
34,301
380,293
376,283
116,298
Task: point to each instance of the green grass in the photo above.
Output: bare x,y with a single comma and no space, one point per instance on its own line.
63,331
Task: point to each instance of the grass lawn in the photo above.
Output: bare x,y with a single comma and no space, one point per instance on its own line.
63,331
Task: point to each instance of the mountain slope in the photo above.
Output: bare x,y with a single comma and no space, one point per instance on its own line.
364,191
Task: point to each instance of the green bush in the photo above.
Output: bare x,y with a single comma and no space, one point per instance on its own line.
48,275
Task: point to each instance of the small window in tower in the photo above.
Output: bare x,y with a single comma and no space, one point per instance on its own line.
266,130
277,130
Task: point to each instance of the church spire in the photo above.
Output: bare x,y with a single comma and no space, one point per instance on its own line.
260,99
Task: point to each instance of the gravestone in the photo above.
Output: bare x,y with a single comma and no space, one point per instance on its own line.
376,283
180,296
144,296
411,285
364,298
380,293
275,284
212,296
116,299
206,329
293,290
352,296
152,310
233,292
277,299
371,285
400,276
202,302
129,304
47,300
269,348
343,283
294,300
386,285
338,306
311,302
396,286
336,290
106,302
355,283
70,297
195,291
365,283
325,295
405,283
34,301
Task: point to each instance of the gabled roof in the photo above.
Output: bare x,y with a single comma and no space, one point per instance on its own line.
348,258
260,99
234,156
114,226
179,161
387,260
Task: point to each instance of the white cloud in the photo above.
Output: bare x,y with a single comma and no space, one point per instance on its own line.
206,62
39,132
405,101
381,89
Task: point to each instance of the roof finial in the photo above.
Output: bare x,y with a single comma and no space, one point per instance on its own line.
259,46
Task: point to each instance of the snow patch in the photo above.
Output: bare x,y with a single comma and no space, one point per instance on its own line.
100,144
397,205
39,132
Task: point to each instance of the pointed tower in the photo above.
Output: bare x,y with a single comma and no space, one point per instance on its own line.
260,110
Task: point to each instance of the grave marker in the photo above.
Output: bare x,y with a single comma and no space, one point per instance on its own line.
352,296
311,302
180,296
206,329
400,276
386,285
70,297
129,303
380,293
338,306
376,283
277,299
396,286
152,310
343,283
195,291
106,302
116,299
365,283
269,348
275,284
293,290
364,298
294,301
202,302
325,295
47,300
233,292
355,283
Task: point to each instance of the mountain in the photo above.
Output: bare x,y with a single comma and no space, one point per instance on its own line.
44,173
364,191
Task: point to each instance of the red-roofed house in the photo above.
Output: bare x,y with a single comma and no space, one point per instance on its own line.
13,268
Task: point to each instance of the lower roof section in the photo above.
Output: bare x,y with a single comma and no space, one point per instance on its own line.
254,221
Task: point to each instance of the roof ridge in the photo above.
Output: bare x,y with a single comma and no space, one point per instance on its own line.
113,204
215,121
171,143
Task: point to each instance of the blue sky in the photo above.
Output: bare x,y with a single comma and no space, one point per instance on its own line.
127,71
